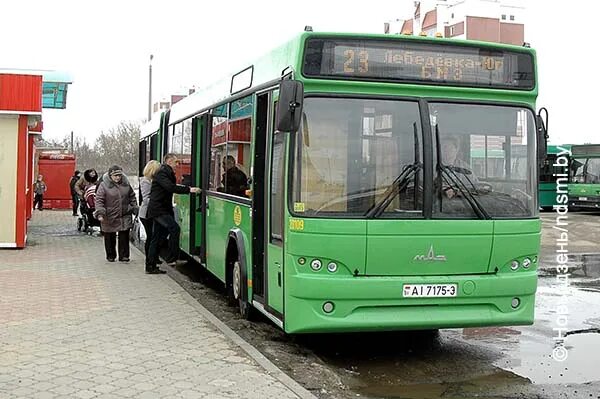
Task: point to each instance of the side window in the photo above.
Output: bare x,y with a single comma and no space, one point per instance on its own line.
142,156
169,140
176,143
185,166
277,187
152,149
218,147
149,142
174,147
236,165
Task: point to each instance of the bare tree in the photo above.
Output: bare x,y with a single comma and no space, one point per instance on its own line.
87,157
118,146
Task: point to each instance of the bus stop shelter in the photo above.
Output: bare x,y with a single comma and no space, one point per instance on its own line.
23,95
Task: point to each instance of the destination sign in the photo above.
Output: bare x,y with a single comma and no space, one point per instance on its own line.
394,60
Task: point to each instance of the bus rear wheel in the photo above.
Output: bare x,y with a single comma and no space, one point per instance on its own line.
238,286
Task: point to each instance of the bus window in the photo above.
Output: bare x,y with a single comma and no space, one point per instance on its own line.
175,146
152,150
177,139
185,166
484,151
277,191
549,169
169,139
236,163
143,157
354,154
218,150
586,170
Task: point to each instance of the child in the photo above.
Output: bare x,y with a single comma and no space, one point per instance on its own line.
39,188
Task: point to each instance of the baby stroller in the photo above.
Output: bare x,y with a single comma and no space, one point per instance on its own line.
87,207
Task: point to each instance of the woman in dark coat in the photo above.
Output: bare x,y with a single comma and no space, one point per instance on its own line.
115,203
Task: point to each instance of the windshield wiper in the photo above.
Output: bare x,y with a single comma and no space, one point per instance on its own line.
463,189
397,185
465,172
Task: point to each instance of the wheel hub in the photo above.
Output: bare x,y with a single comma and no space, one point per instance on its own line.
237,279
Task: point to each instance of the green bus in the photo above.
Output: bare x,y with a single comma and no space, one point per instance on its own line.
548,172
584,183
363,208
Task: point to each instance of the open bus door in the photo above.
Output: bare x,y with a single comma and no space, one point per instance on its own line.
267,202
200,166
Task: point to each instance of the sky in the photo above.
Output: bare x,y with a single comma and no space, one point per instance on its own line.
106,47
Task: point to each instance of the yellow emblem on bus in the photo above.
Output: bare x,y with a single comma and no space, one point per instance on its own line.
296,224
237,215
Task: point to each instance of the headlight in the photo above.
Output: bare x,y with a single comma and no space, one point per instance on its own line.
316,265
514,265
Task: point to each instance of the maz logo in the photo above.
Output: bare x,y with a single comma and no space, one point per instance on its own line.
431,256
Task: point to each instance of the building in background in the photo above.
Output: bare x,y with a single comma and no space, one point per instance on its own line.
393,27
167,102
500,21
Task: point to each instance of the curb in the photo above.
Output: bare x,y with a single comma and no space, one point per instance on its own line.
258,357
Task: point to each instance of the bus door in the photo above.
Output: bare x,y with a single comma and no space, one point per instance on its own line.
153,154
200,164
275,219
267,209
143,147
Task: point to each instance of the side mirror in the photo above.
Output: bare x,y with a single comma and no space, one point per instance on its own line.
542,135
289,105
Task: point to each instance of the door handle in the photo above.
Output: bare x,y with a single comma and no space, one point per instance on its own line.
278,273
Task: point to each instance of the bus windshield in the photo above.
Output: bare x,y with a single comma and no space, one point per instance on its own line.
363,158
487,163
585,170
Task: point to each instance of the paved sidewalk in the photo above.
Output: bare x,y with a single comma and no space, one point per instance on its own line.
73,325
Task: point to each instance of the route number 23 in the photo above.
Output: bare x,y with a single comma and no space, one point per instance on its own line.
363,61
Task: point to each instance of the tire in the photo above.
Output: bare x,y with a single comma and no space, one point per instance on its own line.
79,224
237,287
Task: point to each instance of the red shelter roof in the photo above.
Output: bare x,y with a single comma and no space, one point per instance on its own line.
20,94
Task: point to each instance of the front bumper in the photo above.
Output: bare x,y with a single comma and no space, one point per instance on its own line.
376,303
584,202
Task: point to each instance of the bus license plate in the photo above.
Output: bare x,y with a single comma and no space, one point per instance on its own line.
583,198
429,290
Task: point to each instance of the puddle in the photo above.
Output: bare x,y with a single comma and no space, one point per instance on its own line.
461,388
583,265
406,365
534,361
